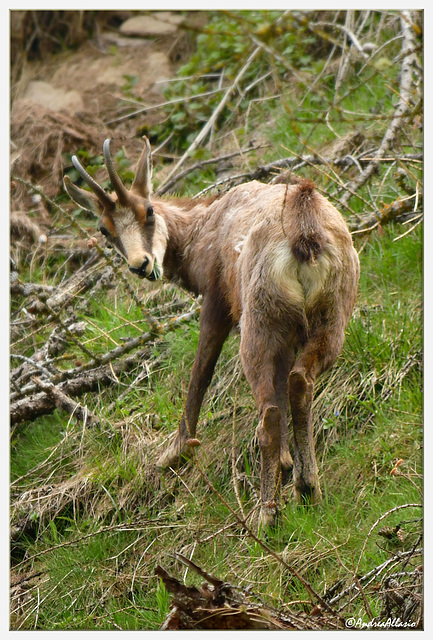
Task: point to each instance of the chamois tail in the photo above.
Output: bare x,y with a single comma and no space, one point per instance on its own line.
307,238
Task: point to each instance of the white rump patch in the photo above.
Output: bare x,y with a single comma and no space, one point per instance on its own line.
301,282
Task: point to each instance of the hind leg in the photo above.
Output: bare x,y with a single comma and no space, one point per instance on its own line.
266,362
305,471
269,438
285,455
317,355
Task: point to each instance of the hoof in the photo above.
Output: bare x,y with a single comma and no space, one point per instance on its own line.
308,494
176,454
268,516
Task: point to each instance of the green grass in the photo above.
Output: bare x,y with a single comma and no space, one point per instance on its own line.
92,516
126,519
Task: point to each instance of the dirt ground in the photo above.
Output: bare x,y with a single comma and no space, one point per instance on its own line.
62,102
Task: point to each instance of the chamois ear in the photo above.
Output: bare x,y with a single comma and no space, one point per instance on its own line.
82,198
143,178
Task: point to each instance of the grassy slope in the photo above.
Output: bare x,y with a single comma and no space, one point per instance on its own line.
103,518
109,575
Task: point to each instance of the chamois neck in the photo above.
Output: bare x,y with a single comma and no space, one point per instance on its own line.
181,220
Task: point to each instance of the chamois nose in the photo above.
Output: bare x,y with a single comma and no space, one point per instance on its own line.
142,269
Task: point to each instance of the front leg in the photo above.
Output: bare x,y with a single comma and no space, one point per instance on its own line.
215,325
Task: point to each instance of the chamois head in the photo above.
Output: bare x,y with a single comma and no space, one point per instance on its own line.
126,217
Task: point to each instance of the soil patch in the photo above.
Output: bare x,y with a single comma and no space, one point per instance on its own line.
74,99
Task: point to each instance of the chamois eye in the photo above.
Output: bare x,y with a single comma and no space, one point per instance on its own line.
149,212
104,231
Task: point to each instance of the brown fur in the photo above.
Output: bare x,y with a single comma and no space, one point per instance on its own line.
308,239
279,260
186,204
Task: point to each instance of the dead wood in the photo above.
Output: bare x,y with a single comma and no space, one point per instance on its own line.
407,98
403,597
81,281
62,401
217,604
333,595
51,298
44,402
55,345
199,165
295,162
18,288
28,403
110,356
399,210
40,137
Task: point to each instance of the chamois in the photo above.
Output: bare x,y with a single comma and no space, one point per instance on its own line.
276,259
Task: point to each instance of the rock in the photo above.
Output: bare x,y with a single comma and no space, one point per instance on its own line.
110,37
50,97
158,24
175,18
155,66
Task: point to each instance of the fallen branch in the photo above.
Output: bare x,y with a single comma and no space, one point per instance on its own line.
87,377
403,106
388,213
52,348
220,605
44,402
385,515
62,401
27,289
199,165
404,600
295,162
82,280
48,299
209,124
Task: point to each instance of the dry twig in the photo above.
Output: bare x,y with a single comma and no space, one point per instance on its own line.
403,107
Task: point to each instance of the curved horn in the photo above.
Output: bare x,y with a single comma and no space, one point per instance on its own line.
118,186
143,176
101,194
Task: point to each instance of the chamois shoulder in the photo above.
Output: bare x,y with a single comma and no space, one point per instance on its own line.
185,203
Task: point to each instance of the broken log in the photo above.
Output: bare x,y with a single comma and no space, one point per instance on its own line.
44,402
221,605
